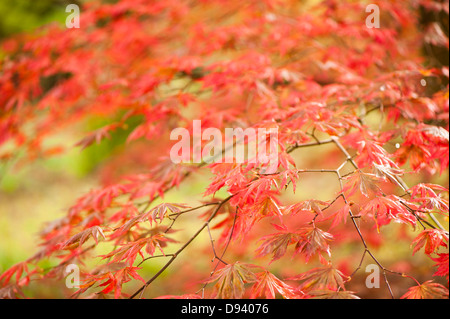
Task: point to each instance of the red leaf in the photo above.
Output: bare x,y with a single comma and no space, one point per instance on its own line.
312,240
442,263
80,238
340,215
427,290
383,209
432,239
333,294
276,244
267,284
322,278
231,279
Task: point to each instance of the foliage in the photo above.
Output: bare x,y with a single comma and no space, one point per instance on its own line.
367,97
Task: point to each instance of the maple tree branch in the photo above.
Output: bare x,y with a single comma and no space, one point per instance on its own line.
213,248
175,255
318,142
186,211
333,201
316,171
192,209
359,266
345,152
354,222
349,158
224,250
156,256
405,188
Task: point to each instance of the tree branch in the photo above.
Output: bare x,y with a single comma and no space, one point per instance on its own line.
175,255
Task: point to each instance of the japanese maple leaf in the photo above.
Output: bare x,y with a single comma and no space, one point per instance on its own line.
436,36
427,290
432,239
383,209
442,264
288,176
128,211
267,284
341,215
267,206
276,244
310,206
371,152
101,199
231,279
115,280
97,136
333,294
388,171
11,291
158,212
429,199
362,182
312,240
260,186
17,270
80,238
321,278
129,251
149,189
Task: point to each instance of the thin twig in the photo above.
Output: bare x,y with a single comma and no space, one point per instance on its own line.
175,255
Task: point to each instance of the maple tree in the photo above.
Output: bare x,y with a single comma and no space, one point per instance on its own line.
370,101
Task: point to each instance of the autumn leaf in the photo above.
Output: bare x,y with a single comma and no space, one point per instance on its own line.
159,212
17,270
231,279
322,278
429,199
383,209
260,186
268,206
80,238
130,250
354,109
427,290
156,213
442,262
12,291
341,215
267,284
276,244
436,36
384,170
110,276
311,241
333,294
310,206
97,136
432,239
364,182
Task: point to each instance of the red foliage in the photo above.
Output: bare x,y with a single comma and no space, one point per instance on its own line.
315,73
